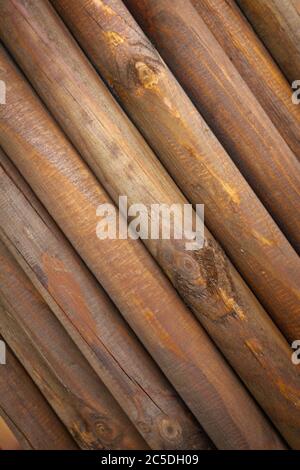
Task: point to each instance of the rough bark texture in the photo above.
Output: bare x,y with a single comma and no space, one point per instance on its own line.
190,152
79,398
90,317
26,411
133,280
228,106
278,24
205,277
255,65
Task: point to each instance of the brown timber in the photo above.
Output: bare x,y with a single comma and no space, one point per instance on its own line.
228,106
277,22
255,64
189,151
169,331
79,398
125,165
91,319
27,413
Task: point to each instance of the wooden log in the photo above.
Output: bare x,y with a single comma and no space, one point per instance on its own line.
189,151
129,274
185,268
79,398
27,413
90,317
277,22
255,65
8,440
228,106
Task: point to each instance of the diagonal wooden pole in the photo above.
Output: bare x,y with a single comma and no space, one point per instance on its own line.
228,106
79,398
189,151
133,280
91,319
125,165
278,24
27,413
255,64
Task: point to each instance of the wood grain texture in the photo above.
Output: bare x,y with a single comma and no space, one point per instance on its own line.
190,152
90,317
79,398
125,165
277,22
129,274
255,65
26,411
8,440
228,106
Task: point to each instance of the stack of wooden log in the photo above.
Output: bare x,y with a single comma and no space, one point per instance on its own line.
121,343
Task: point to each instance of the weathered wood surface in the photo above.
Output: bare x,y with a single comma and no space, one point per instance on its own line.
79,398
206,279
26,411
190,152
91,319
227,104
277,22
255,65
131,277
8,440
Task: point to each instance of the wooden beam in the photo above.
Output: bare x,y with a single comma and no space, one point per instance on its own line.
277,22
90,318
127,272
228,106
255,64
124,163
79,398
26,411
190,152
